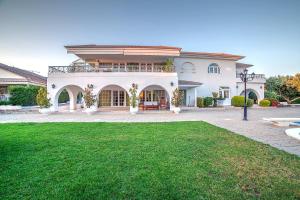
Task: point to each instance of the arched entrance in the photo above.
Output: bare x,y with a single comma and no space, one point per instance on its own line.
69,98
251,94
113,97
154,97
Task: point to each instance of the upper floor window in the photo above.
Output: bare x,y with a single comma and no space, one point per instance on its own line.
214,68
188,67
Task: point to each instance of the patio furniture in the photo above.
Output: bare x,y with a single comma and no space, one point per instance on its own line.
293,132
151,105
281,121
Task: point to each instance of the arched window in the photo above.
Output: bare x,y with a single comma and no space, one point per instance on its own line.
214,68
188,67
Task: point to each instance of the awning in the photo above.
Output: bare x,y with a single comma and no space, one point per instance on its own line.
183,83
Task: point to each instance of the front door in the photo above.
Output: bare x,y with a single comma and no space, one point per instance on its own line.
184,97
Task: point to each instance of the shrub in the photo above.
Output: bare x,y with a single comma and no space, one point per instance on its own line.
208,101
23,95
250,102
4,103
177,97
134,97
264,103
200,102
89,98
41,98
273,102
296,101
238,101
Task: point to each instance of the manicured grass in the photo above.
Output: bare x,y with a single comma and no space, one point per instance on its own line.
182,160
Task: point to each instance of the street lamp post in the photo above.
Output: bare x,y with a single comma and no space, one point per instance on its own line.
245,77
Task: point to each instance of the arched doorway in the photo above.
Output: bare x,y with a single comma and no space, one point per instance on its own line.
154,97
113,97
251,94
69,98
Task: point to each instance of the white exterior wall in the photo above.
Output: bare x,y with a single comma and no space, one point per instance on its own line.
211,81
100,80
257,88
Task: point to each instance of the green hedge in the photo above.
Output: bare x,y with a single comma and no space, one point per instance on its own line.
4,103
200,102
23,95
238,101
264,103
208,101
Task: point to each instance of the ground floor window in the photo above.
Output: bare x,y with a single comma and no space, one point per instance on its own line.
105,98
113,98
224,92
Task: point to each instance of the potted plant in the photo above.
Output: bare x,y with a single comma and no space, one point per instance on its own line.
177,100
133,99
89,100
43,101
168,66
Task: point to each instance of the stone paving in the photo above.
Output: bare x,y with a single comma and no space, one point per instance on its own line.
228,118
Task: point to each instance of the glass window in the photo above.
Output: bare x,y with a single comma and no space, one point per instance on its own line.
121,98
143,67
132,67
115,98
214,68
148,95
105,98
149,67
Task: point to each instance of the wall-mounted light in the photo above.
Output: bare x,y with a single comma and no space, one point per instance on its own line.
172,84
237,87
261,87
91,86
53,86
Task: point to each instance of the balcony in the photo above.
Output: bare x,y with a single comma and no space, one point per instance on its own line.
112,67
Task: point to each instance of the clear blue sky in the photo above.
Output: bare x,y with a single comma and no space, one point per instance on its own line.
267,32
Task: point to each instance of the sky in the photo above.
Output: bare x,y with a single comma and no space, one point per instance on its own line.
33,33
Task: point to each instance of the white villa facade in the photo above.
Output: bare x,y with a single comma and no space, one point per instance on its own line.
111,70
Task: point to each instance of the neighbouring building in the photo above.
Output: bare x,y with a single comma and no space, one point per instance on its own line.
15,76
110,70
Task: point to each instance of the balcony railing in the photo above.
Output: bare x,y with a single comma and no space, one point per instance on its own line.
256,76
110,68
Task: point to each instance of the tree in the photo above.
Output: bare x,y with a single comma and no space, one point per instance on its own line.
294,82
283,87
177,97
41,98
168,66
133,96
89,98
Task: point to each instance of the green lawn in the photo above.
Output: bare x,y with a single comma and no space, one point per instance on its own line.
182,160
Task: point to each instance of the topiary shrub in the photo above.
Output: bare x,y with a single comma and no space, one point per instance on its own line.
208,101
23,95
264,103
200,102
41,98
238,101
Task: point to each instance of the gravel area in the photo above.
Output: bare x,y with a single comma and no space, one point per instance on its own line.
229,118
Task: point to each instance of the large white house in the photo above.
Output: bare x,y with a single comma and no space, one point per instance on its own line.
110,70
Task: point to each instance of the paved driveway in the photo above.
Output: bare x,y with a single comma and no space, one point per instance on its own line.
230,119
